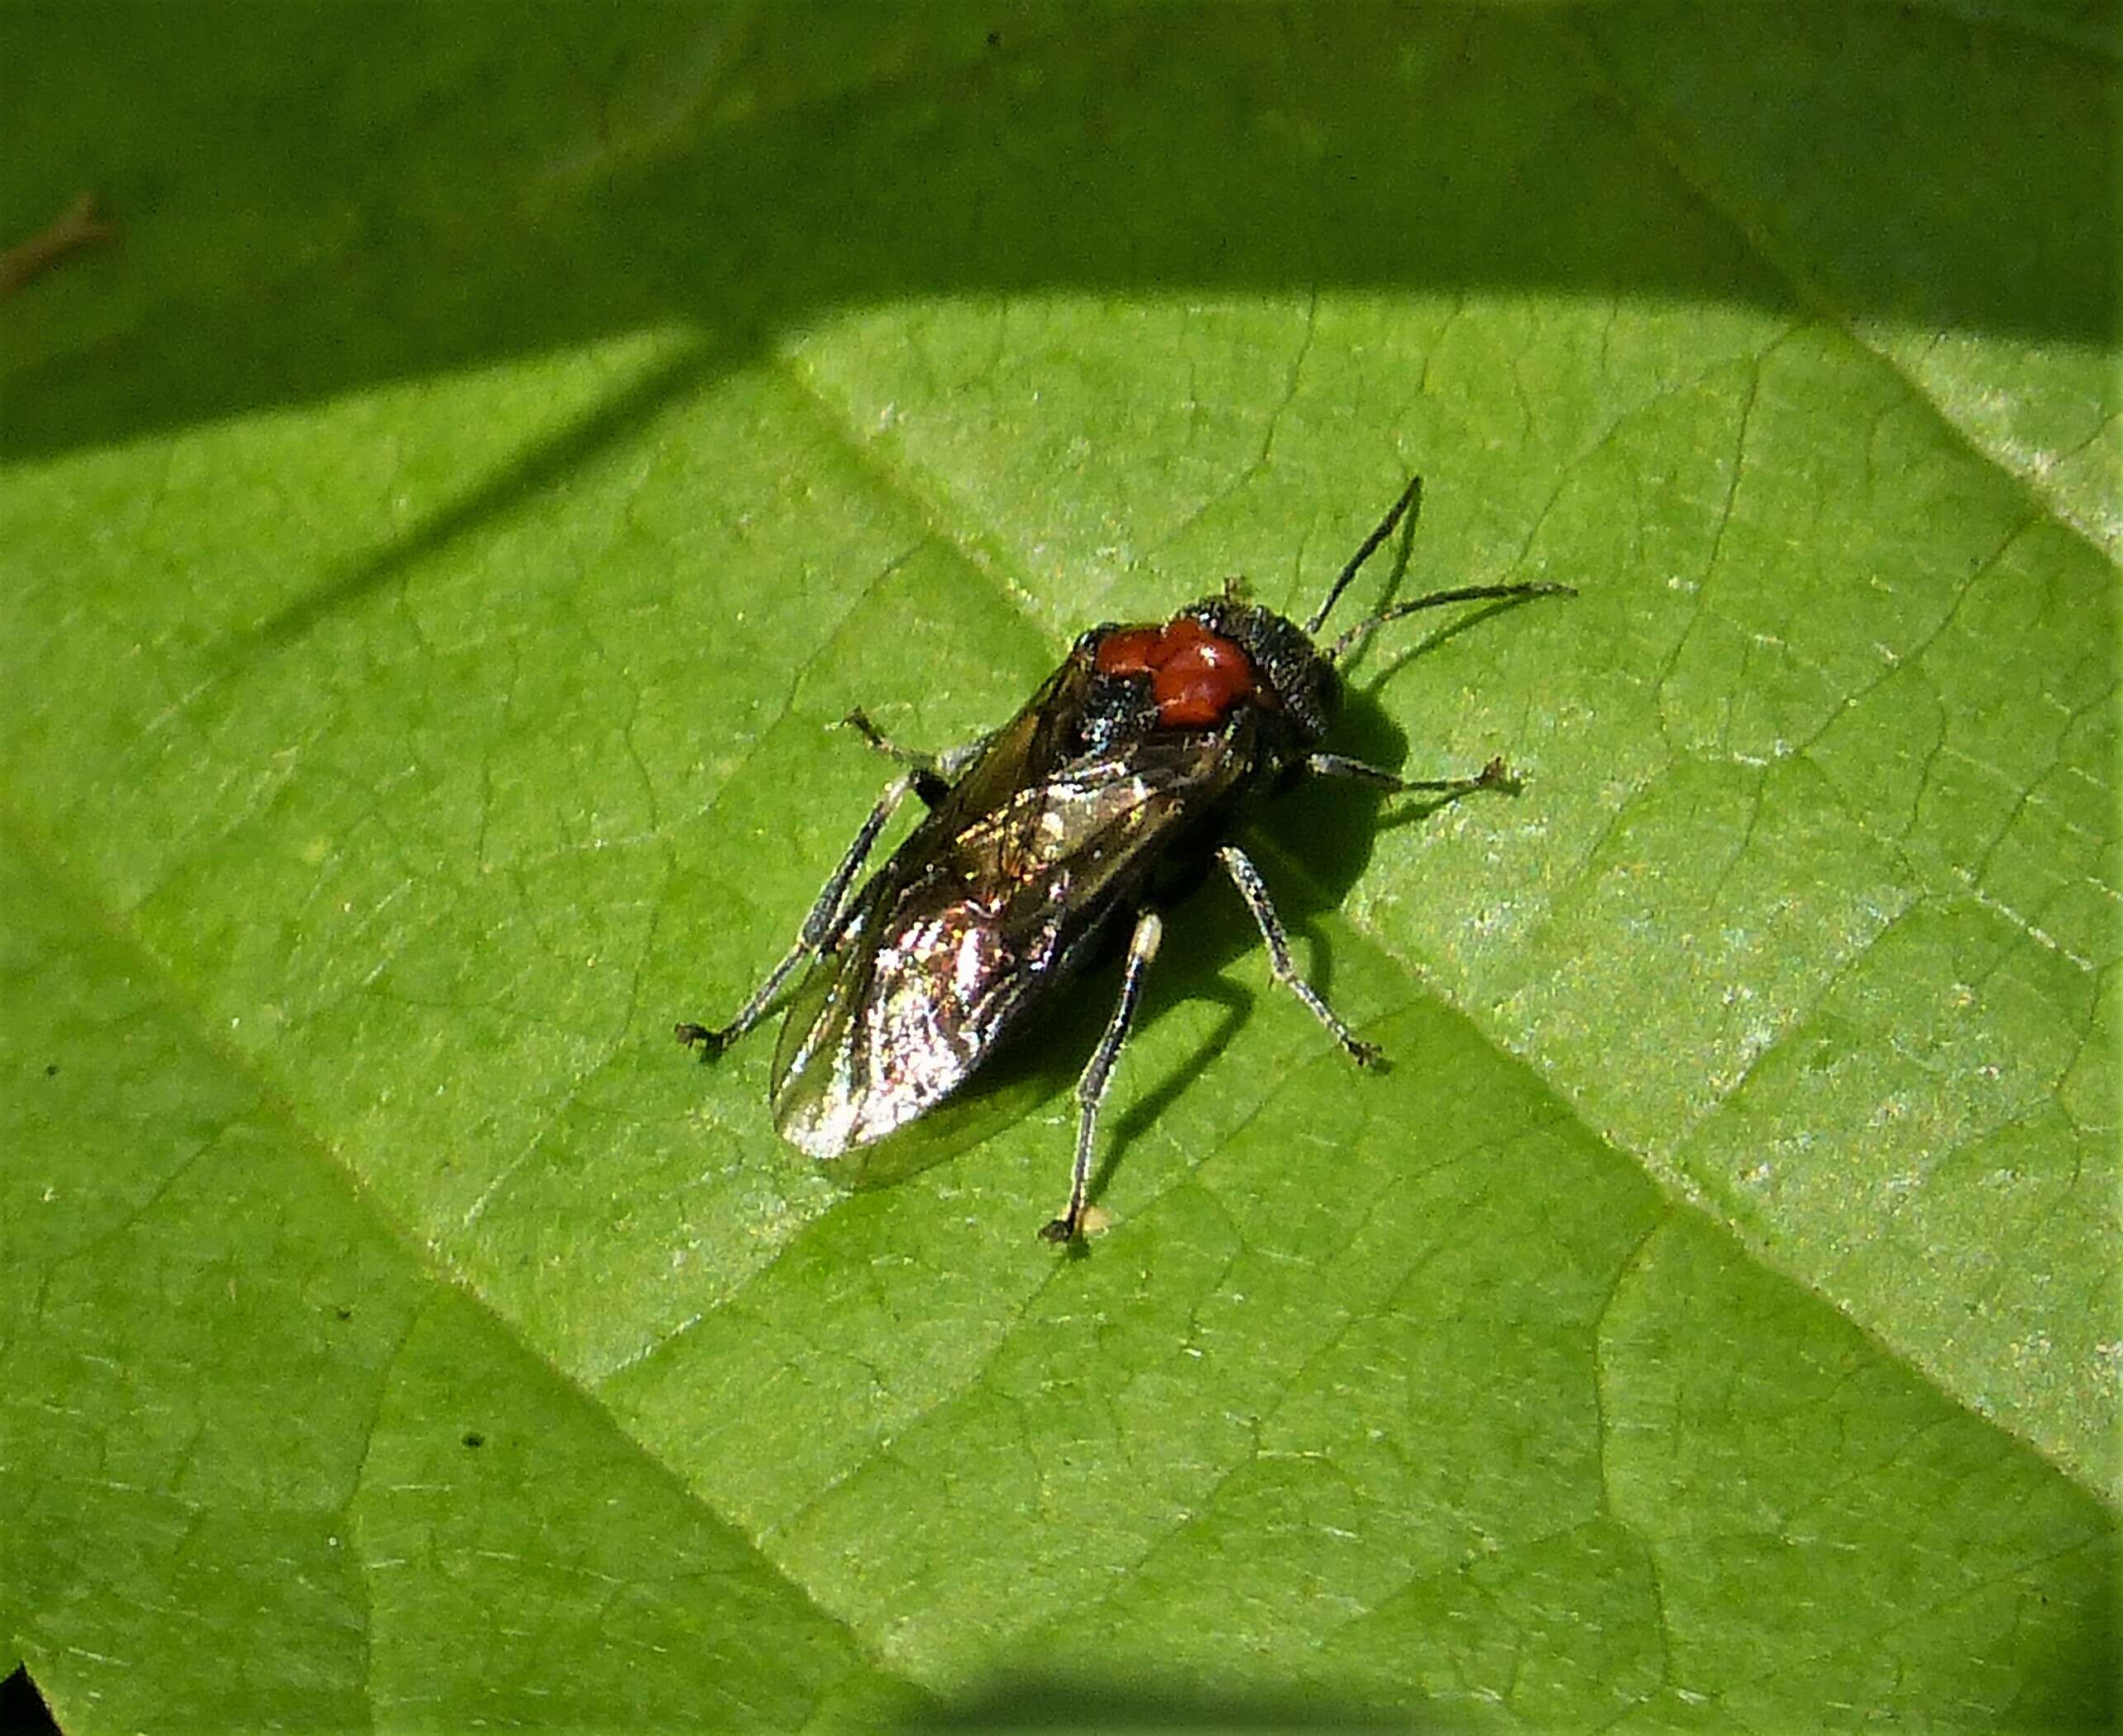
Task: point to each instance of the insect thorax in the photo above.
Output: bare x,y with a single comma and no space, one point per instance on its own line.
1211,665
1303,686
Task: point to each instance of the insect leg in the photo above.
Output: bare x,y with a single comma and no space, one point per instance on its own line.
933,772
1097,1073
1495,776
820,927
1246,878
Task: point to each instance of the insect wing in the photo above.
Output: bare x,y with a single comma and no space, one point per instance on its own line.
822,1091
976,915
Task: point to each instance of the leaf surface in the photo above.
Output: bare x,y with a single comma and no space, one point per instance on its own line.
440,536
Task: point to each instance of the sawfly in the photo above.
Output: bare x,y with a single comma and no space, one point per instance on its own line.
1145,749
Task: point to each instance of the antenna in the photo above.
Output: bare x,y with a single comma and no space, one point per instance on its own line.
1411,501
1464,594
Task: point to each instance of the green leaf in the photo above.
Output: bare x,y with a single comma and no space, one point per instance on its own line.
440,536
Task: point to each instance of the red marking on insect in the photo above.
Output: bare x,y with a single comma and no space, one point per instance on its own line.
1196,675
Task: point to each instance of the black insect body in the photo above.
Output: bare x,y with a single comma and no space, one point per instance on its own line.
1147,745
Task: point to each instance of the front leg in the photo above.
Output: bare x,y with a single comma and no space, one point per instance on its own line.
1495,776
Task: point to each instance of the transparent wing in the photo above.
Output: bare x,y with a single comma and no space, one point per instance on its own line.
977,914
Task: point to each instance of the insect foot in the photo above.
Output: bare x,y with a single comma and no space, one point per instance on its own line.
711,1043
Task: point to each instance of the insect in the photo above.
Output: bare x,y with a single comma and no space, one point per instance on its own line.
1145,749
